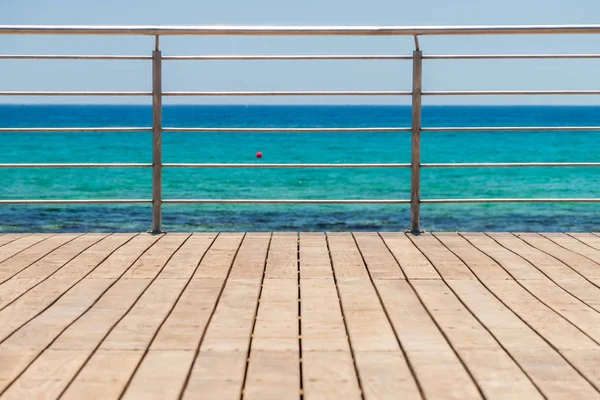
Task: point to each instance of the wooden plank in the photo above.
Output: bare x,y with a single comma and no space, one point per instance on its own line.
224,248
367,323
273,374
36,300
93,256
382,264
186,260
547,291
24,252
155,259
384,374
563,303
70,255
475,345
9,250
231,325
276,326
105,376
346,257
482,265
447,264
83,337
47,378
88,331
183,328
516,265
329,375
217,375
185,325
437,367
327,363
227,337
314,256
564,336
551,372
557,271
283,257
138,327
556,329
10,237
103,322
572,244
586,267
59,257
121,260
588,239
274,362
160,376
323,326
412,262
371,335
32,338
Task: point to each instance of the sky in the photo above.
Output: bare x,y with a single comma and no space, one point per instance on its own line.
301,75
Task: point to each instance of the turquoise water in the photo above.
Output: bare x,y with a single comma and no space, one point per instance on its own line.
301,183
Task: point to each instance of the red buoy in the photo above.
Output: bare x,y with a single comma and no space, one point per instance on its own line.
259,154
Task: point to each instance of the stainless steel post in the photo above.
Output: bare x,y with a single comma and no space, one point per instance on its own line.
415,182
156,140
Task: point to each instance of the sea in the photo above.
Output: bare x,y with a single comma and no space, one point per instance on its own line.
226,147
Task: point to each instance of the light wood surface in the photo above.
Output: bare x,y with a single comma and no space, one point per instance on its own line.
291,316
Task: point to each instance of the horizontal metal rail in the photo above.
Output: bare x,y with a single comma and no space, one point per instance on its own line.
508,56
304,201
76,130
308,130
210,94
78,165
298,30
281,201
512,129
298,57
299,166
284,57
310,93
508,200
278,166
510,165
70,57
294,93
288,130
508,92
70,93
88,201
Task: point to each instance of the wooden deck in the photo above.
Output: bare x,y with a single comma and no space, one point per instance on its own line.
284,316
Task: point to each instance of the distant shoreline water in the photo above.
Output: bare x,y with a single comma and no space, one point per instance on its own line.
442,147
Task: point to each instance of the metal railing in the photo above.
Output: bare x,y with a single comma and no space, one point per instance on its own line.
416,94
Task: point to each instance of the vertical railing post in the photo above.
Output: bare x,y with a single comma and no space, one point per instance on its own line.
415,181
156,139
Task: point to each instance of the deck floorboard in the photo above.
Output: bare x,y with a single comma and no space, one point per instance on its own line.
300,316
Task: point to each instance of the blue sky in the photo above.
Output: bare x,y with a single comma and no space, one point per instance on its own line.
301,75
